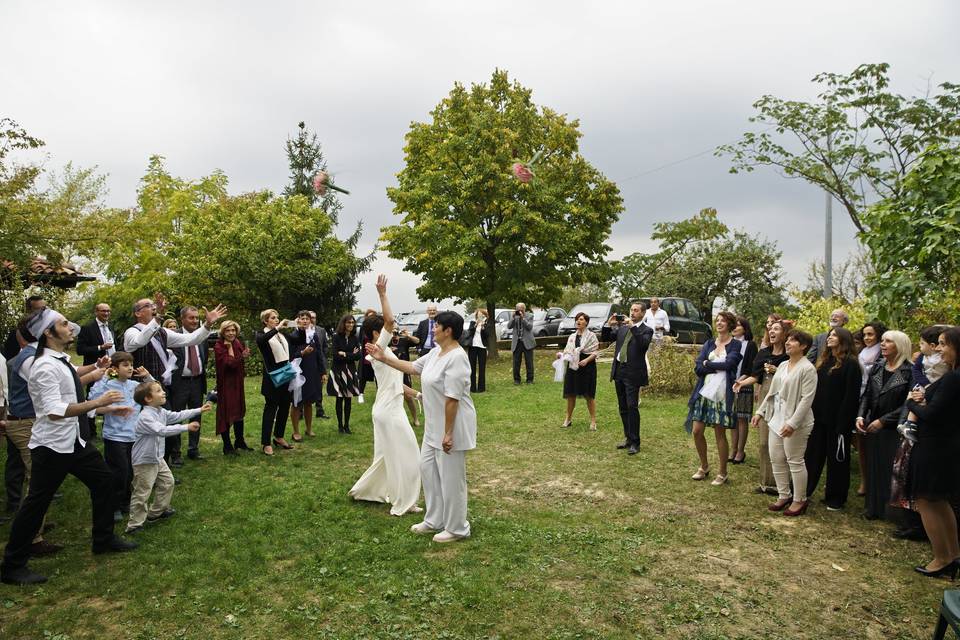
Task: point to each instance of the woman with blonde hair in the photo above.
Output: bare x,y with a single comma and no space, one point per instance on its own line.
229,356
475,341
883,399
275,350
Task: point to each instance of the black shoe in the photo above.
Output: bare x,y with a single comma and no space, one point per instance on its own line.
48,526
347,431
176,462
176,481
517,382
230,451
529,381
240,445
116,545
169,513
911,533
21,576
632,450
195,455
949,570
44,548
133,530
623,445
323,416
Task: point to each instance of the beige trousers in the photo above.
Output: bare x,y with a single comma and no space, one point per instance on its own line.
767,481
145,476
19,432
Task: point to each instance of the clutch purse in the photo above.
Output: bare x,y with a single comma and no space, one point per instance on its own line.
283,375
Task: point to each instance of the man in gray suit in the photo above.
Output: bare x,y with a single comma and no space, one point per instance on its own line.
522,342
838,318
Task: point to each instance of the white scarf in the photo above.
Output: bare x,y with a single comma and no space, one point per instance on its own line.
279,347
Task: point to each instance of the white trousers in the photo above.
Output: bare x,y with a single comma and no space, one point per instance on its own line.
786,458
444,478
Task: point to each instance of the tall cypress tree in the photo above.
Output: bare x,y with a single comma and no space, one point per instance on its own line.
306,160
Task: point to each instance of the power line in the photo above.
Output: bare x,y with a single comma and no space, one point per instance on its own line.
675,162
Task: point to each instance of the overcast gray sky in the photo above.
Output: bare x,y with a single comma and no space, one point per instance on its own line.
220,85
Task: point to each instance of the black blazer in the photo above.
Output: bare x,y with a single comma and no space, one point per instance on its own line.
89,341
635,368
466,340
180,353
883,402
423,329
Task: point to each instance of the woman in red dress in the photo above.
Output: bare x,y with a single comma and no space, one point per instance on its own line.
229,354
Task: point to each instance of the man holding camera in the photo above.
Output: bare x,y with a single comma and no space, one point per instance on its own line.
522,342
629,369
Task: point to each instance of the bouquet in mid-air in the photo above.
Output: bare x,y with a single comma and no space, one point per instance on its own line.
523,171
322,182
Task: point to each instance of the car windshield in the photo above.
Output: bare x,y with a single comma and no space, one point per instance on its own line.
595,311
414,318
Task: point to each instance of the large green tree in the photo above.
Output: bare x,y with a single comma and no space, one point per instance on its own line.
306,160
470,229
701,259
858,140
913,240
199,245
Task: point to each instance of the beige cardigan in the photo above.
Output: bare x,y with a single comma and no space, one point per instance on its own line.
796,389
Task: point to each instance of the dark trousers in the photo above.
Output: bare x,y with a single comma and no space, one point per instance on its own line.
478,369
13,475
320,411
118,456
527,355
187,393
49,471
628,401
274,420
237,436
828,448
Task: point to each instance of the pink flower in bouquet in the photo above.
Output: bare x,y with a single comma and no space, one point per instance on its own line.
522,173
320,183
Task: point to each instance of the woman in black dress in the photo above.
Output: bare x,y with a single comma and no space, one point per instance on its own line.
883,399
275,350
834,410
305,345
342,382
932,479
583,348
475,341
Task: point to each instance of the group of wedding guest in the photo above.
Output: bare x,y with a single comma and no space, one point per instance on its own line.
817,394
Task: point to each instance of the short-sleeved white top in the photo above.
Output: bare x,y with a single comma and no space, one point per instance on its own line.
445,376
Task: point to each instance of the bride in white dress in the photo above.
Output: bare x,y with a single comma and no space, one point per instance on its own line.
394,475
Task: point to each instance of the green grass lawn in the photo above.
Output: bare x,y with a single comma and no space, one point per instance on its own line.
571,539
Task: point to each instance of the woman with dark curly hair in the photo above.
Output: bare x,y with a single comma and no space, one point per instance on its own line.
342,382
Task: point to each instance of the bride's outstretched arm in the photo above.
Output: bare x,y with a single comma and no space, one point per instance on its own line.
404,366
388,321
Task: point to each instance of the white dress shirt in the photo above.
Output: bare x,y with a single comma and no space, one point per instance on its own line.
52,389
184,370
134,339
107,336
661,318
153,426
4,384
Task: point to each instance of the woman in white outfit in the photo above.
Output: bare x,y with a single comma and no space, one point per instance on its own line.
450,428
394,475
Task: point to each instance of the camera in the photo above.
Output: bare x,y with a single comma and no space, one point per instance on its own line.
620,317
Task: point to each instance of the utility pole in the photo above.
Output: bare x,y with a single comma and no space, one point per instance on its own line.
828,243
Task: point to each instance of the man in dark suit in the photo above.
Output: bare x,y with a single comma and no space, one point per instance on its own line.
322,353
94,342
629,369
522,342
189,386
424,332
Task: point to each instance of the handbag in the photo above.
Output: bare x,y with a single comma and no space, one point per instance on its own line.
283,375
714,387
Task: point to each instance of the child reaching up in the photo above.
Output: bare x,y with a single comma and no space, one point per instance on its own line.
149,468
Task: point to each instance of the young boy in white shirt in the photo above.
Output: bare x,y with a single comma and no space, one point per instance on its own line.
149,468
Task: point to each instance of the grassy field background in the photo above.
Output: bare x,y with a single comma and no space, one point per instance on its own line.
571,539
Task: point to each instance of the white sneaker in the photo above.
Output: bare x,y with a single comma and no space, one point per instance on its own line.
446,536
422,528
360,399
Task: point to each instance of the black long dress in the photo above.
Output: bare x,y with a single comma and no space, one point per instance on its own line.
583,381
933,463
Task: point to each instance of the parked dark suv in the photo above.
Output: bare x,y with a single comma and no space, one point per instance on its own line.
599,313
686,323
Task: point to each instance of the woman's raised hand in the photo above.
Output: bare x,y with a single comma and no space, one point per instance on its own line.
381,284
